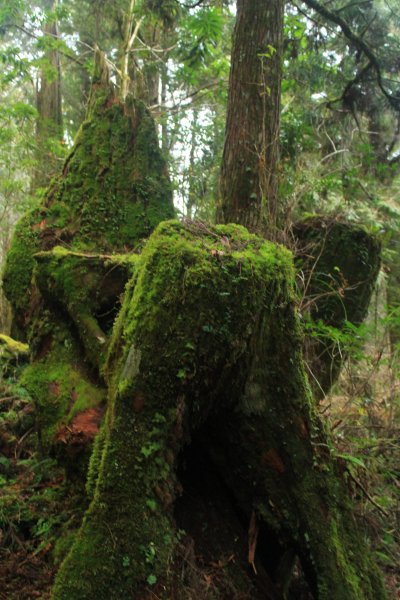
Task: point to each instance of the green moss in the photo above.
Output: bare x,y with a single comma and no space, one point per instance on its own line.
10,348
84,285
94,463
114,190
59,383
62,546
19,265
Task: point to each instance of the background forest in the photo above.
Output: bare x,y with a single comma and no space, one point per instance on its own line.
339,158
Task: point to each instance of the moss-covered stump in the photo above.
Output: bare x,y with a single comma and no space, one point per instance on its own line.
113,191
208,341
340,262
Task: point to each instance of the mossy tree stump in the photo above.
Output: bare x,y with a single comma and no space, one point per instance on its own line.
206,346
208,339
112,192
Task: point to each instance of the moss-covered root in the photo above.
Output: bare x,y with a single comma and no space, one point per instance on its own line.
88,288
208,328
182,329
12,353
11,349
69,402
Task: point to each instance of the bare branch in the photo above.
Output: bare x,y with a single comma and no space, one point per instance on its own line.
358,42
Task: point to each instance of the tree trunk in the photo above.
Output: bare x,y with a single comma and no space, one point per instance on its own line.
249,174
49,128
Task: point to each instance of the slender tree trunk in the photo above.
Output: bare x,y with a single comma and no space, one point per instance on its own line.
164,124
249,182
127,68
191,202
49,127
151,70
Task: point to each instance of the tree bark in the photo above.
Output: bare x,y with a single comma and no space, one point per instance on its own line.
249,173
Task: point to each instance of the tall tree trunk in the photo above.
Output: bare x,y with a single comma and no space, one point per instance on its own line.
128,71
48,102
151,68
249,182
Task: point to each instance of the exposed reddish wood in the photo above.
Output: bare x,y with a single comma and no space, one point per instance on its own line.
83,428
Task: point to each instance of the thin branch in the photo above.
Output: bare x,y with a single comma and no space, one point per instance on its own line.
190,96
368,496
36,37
307,16
351,4
194,5
333,154
135,32
358,42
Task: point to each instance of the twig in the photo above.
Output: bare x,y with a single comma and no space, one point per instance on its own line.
359,43
362,488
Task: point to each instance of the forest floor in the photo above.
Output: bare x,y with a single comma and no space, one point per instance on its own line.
33,502
364,418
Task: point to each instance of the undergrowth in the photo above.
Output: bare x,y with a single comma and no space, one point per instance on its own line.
363,414
37,507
